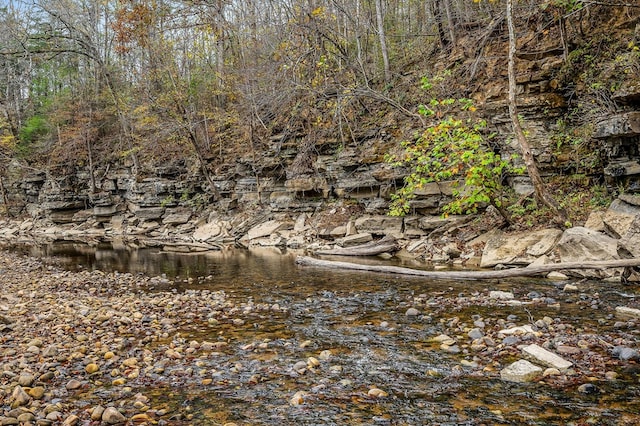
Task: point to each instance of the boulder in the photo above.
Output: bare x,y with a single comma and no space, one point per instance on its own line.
301,223
307,184
62,216
581,244
522,248
105,210
618,218
595,221
432,222
628,92
616,223
630,240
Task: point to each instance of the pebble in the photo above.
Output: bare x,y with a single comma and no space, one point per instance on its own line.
377,393
19,397
36,392
26,417
551,372
625,353
412,312
72,420
298,398
475,333
91,368
300,366
112,416
325,355
611,375
501,295
73,384
588,388
26,380
96,412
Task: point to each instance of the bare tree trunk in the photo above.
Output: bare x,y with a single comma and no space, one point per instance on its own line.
5,198
452,32
541,193
529,271
437,16
92,177
383,41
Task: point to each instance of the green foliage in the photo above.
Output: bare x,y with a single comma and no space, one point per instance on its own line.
574,148
452,149
34,128
567,6
167,201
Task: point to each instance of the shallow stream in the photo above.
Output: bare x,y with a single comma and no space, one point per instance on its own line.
360,318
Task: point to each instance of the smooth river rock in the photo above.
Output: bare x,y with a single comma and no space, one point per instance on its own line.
521,371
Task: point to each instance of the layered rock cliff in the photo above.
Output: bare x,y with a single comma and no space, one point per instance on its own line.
578,93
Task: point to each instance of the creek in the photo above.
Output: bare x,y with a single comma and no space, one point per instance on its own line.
355,326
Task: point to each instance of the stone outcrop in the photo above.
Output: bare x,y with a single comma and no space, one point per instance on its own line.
342,195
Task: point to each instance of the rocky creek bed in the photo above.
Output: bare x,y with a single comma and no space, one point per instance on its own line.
93,347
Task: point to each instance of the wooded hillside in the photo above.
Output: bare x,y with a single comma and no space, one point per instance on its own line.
151,83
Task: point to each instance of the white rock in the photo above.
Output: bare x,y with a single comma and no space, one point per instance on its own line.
502,295
628,312
520,372
546,358
555,275
523,329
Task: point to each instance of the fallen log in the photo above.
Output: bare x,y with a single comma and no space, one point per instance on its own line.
372,248
529,271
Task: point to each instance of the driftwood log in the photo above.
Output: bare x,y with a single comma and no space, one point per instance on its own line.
471,275
372,248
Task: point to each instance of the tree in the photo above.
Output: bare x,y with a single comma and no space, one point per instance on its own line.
7,145
541,192
383,40
454,149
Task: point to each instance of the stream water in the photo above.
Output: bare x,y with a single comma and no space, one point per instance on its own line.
360,318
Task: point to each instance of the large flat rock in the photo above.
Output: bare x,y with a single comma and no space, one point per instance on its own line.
581,244
628,312
207,231
521,248
379,224
547,358
267,228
